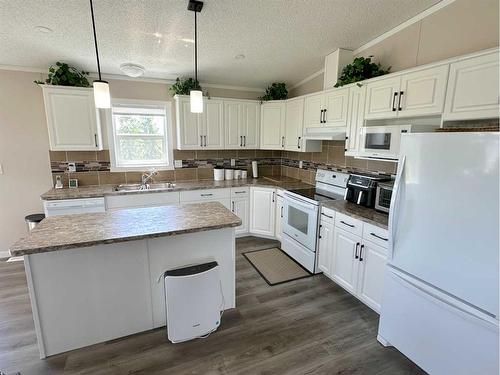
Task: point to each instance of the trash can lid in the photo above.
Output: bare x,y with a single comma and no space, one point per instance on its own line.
34,218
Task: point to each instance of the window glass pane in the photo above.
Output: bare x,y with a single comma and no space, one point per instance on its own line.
139,124
135,149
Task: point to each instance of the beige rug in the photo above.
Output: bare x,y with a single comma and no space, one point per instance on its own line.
275,266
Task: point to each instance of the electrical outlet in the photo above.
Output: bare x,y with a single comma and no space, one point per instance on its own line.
1,168
301,164
71,167
233,162
177,163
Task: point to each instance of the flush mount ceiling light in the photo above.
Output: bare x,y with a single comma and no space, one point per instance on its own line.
196,96
101,88
239,57
43,29
132,70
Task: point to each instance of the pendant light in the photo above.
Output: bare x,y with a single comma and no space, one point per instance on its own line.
101,88
196,96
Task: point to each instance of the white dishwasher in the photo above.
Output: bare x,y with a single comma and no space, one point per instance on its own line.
73,206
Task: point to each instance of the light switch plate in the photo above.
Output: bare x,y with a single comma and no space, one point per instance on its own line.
233,162
71,167
301,164
178,163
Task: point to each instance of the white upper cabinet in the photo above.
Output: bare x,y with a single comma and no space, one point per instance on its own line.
241,124
382,98
473,90
250,124
355,118
233,124
272,125
213,124
327,109
293,124
335,107
72,119
199,131
423,92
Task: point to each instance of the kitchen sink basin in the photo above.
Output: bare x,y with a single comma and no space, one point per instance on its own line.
142,187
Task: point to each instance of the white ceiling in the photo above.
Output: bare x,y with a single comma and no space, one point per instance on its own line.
283,40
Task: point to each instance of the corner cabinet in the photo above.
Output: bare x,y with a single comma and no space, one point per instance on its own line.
199,131
473,88
272,125
73,121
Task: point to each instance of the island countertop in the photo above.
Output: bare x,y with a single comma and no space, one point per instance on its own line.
84,230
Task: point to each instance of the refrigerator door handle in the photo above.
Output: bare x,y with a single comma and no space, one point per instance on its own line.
394,206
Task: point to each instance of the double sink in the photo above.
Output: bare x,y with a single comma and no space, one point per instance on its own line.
143,187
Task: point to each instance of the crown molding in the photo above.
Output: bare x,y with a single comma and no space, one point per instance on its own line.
308,78
137,79
411,21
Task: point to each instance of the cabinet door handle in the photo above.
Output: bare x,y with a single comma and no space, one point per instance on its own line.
380,238
328,216
281,211
233,206
298,142
244,141
206,195
205,140
356,252
321,116
361,253
95,140
273,195
319,232
201,141
241,141
394,102
349,225
283,141
324,116
399,101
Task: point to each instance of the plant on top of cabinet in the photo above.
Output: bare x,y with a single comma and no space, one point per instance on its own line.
66,75
277,91
360,69
183,87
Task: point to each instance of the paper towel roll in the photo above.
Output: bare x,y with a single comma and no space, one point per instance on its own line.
255,173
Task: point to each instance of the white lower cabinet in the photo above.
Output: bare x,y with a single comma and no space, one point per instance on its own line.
278,216
352,260
262,211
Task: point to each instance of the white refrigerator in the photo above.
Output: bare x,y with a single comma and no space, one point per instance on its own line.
441,292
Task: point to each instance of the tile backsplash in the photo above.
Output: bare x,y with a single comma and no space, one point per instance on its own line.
93,167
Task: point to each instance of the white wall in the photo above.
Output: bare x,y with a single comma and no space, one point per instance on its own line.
24,153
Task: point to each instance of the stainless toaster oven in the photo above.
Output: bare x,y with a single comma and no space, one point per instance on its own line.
383,196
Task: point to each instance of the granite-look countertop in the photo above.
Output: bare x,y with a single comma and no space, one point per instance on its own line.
104,190
362,213
83,230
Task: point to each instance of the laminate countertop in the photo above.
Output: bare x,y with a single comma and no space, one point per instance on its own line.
356,211
105,190
84,230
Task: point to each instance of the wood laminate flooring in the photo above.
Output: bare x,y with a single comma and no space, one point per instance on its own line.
306,326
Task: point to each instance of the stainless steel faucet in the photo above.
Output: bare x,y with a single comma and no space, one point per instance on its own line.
148,176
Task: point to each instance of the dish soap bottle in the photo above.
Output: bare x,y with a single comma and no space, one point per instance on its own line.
58,184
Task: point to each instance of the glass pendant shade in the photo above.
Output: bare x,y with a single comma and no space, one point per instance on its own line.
196,100
101,94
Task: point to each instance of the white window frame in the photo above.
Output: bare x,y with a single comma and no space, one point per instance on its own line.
114,167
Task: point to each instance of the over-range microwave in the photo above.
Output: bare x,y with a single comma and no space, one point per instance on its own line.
382,142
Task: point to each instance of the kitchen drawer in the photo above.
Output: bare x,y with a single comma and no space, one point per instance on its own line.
141,200
241,192
327,215
376,235
349,224
204,195
280,192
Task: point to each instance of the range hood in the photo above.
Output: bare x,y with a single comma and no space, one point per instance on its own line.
332,133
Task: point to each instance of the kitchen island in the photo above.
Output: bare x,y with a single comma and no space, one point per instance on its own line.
98,276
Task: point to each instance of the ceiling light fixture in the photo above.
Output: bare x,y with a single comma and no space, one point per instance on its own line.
132,70
196,96
101,88
43,29
239,57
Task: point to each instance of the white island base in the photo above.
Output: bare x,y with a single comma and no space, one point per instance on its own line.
89,295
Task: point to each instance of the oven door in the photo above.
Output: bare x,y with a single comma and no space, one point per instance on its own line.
300,220
381,141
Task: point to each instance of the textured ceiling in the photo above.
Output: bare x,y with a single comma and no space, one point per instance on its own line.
283,40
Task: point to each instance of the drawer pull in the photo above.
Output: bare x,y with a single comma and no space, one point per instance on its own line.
206,195
380,238
239,192
349,225
328,216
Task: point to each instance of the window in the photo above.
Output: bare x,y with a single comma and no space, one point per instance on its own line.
140,136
